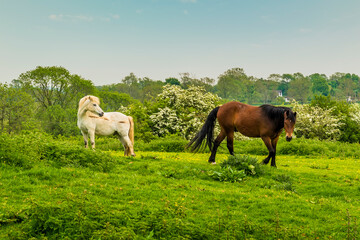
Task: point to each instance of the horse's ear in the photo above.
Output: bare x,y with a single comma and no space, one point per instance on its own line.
294,114
286,113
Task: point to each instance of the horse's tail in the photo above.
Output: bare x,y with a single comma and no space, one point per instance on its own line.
131,130
207,131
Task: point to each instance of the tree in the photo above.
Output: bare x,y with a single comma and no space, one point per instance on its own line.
17,109
300,88
232,84
187,81
131,86
112,101
57,92
54,86
266,89
172,81
319,84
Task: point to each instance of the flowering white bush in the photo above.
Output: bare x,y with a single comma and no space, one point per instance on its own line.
166,121
355,113
315,122
185,110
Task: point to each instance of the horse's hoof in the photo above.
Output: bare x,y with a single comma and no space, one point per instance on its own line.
212,163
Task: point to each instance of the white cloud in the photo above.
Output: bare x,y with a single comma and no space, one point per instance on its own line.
61,17
186,12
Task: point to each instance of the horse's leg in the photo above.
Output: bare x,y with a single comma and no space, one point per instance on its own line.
85,136
269,146
274,143
230,142
128,146
92,139
217,142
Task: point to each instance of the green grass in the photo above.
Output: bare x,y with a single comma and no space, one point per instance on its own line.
170,195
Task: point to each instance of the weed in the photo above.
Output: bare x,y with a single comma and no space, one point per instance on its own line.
248,164
227,174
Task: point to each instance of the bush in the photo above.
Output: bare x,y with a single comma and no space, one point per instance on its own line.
22,150
236,168
248,164
25,150
316,122
227,174
347,113
171,143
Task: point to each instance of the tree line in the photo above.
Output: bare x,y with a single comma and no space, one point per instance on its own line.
46,98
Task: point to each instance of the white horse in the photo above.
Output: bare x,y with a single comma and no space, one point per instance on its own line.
92,120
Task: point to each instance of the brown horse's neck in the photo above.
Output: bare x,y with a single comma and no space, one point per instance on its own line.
275,114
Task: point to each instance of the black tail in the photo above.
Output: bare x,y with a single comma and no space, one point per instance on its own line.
207,131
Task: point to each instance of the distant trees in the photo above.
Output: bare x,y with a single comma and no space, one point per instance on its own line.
46,98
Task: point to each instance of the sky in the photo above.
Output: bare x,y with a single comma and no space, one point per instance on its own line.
106,40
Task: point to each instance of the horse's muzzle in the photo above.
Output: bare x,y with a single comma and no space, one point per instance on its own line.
101,114
288,138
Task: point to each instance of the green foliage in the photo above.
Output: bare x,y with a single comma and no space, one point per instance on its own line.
248,164
236,168
347,113
170,196
182,111
17,110
22,150
227,174
315,122
170,143
112,101
28,149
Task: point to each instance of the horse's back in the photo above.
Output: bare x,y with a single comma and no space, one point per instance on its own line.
119,121
240,116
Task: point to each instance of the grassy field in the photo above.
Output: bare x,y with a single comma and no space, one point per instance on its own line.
162,195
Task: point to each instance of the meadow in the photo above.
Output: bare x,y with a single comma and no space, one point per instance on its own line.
55,189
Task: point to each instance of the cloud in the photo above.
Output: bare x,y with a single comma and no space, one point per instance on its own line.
139,11
72,18
186,12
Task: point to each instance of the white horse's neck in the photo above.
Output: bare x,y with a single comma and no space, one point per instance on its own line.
82,111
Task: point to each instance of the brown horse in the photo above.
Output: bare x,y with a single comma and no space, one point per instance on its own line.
266,122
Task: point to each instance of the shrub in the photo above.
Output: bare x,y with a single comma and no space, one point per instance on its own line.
316,122
171,143
227,174
182,111
24,150
347,113
237,167
248,164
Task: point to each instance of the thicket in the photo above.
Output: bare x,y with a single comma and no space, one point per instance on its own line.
30,148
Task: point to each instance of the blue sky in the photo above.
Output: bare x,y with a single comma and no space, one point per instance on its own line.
105,40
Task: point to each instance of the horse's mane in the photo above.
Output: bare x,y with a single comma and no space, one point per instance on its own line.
89,97
276,114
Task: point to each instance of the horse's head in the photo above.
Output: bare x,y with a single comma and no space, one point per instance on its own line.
93,106
289,123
